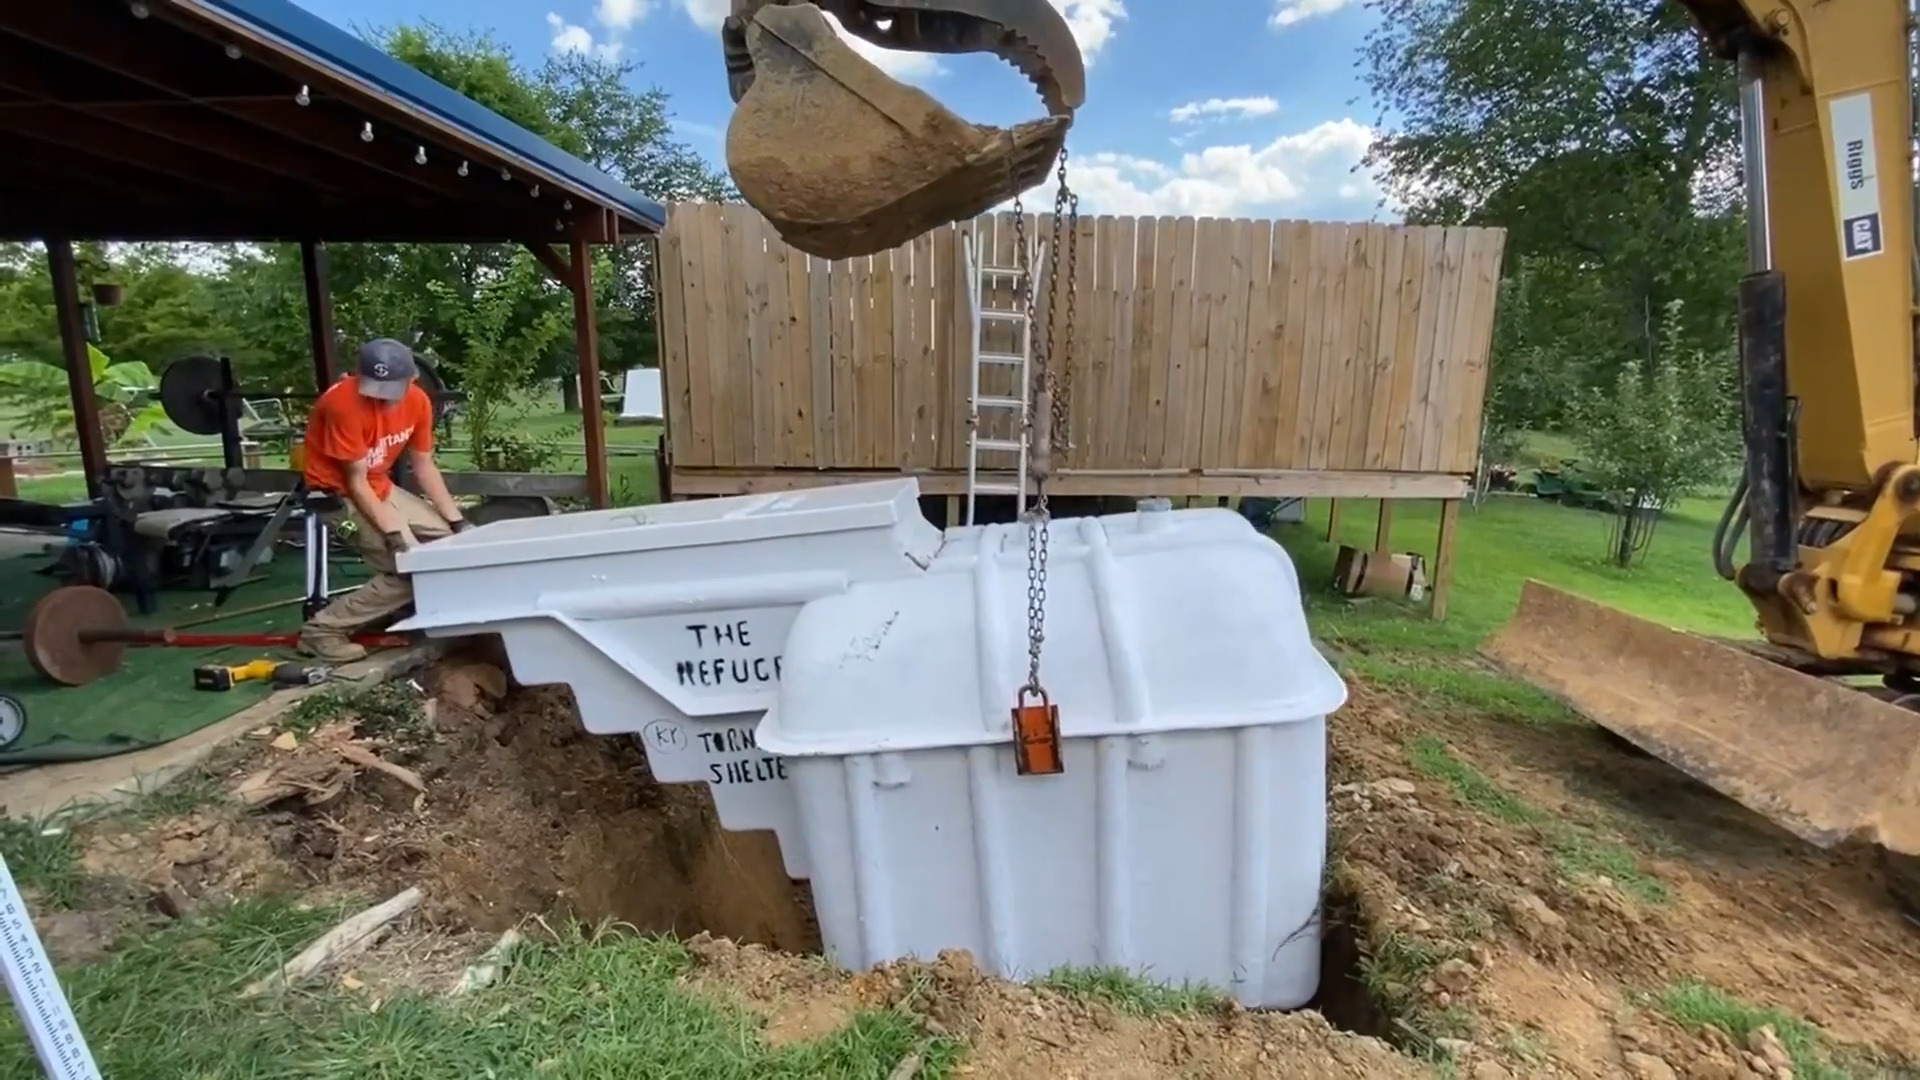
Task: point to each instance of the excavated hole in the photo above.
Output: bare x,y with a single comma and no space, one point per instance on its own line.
530,814
1344,997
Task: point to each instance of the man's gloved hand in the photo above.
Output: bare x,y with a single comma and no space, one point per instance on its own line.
460,525
397,541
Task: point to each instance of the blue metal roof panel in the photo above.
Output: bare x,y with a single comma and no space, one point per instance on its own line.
319,41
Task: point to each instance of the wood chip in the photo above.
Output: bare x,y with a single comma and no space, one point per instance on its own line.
366,758
487,969
332,735
287,741
344,939
261,788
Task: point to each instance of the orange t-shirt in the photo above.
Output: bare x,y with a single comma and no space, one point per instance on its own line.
345,426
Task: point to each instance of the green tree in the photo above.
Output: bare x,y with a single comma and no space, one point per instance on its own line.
502,349
1601,134
1533,381
169,311
627,134
1658,432
584,105
36,394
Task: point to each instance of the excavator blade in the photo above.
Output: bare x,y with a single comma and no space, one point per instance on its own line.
844,161
1824,760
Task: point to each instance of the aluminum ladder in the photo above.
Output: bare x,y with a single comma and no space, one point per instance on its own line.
979,279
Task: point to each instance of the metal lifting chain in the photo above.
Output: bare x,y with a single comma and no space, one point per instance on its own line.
1050,394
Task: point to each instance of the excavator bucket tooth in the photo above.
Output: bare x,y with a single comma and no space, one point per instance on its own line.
844,161
1824,760
1031,35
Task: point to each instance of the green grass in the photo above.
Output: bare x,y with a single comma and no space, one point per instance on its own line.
1393,973
583,1007
1431,757
43,859
1577,851
1539,448
1701,1005
190,791
1499,545
1130,993
393,710
1446,683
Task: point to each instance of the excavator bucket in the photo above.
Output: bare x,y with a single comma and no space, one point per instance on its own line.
844,161
1827,761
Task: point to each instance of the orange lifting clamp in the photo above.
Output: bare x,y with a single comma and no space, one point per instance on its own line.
1036,734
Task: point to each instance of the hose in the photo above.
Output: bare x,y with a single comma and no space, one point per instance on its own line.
1726,534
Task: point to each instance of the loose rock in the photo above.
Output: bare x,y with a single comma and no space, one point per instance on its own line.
1647,1067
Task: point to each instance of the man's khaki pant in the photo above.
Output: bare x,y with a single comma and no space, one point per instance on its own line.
387,593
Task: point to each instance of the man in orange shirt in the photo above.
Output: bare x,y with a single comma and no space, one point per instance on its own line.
358,429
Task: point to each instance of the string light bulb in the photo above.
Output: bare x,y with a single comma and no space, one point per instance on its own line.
462,170
233,52
139,10
535,191
420,155
303,97
505,175
566,204
366,132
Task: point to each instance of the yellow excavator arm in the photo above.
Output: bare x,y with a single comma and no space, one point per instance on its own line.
846,161
1829,500
1827,112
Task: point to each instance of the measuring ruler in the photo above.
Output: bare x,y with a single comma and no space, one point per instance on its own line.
36,994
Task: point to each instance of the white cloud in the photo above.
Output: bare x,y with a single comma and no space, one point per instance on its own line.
1288,12
615,18
569,37
1240,108
1307,173
1091,22
706,14
620,14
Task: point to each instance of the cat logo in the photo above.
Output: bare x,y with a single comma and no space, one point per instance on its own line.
1857,168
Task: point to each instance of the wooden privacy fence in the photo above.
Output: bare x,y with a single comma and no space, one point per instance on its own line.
1202,346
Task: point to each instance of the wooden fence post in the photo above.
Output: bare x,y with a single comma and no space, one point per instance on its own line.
1443,558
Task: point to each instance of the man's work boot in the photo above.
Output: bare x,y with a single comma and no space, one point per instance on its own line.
330,646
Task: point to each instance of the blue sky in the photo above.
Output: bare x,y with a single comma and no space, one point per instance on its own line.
1217,107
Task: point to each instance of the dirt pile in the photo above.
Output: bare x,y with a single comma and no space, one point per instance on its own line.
1017,1031
498,805
1534,898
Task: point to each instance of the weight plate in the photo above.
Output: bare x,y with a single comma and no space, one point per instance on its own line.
13,721
190,394
436,389
52,635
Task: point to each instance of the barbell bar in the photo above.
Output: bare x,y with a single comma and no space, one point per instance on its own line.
77,634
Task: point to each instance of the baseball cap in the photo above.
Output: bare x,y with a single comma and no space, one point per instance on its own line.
386,369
